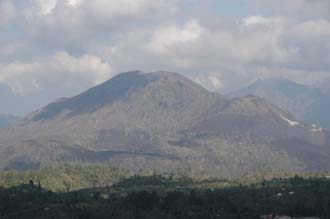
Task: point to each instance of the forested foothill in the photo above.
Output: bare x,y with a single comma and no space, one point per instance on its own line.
47,193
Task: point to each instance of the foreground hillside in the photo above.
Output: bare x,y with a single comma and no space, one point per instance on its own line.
164,122
163,197
64,177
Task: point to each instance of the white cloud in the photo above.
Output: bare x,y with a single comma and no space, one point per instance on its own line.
106,9
312,29
81,21
74,2
97,11
194,44
211,81
255,20
7,11
58,71
287,38
295,8
102,8
167,38
45,6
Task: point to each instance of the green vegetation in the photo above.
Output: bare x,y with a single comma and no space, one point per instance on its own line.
163,198
66,177
106,192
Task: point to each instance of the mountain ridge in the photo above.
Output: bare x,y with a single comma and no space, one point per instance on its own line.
308,102
162,121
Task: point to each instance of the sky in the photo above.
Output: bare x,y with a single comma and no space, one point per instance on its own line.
58,48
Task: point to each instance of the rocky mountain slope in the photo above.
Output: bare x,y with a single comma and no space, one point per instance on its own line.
163,121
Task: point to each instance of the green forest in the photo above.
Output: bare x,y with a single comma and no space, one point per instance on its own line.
92,192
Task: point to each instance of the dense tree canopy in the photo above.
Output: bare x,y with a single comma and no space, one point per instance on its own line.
156,196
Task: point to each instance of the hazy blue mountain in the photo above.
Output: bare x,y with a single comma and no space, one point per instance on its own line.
6,120
284,93
163,121
323,86
317,112
308,103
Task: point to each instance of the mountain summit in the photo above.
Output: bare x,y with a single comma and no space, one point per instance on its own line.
163,121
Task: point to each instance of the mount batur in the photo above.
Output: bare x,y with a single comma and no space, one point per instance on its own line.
163,121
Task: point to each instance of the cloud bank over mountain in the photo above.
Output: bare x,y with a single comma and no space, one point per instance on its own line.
61,47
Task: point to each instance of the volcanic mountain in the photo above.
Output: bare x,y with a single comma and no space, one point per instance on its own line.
163,121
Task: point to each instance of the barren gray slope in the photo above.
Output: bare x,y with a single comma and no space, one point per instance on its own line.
162,121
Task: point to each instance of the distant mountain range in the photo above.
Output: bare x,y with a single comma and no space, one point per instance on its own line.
6,120
163,121
308,103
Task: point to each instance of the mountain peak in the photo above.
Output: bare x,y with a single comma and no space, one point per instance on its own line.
274,82
118,88
162,121
109,91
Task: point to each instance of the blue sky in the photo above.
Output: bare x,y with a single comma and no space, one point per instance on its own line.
233,9
55,48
